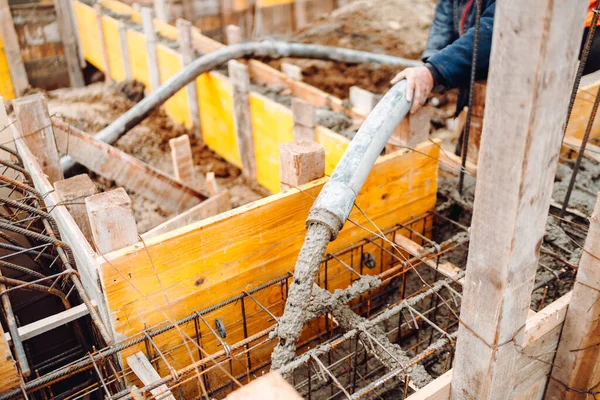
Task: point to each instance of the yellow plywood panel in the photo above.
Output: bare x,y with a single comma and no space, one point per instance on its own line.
581,112
215,100
89,34
137,57
272,126
177,107
113,48
207,262
7,90
335,146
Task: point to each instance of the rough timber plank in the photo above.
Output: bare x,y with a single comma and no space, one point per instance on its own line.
578,356
8,368
582,109
10,44
141,366
538,55
233,256
124,169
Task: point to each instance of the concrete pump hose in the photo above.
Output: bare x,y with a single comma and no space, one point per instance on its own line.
210,61
330,211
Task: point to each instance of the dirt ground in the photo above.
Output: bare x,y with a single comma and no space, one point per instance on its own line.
94,107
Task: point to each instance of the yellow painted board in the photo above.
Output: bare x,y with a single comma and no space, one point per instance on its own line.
207,262
272,126
215,99
89,34
335,146
137,57
7,90
177,108
113,48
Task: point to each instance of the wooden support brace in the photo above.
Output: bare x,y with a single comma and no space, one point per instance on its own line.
10,41
161,10
363,100
300,162
211,183
35,127
102,38
111,220
72,193
151,52
240,81
304,120
125,51
184,31
575,373
69,39
533,63
141,367
233,34
292,71
183,163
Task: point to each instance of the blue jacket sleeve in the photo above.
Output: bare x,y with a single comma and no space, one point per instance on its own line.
441,33
454,61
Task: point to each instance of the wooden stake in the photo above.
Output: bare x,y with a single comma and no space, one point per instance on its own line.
151,54
533,64
211,183
183,163
36,129
111,220
184,30
103,48
10,41
72,193
412,130
363,100
300,162
240,81
125,50
233,34
300,14
578,354
69,39
304,120
161,10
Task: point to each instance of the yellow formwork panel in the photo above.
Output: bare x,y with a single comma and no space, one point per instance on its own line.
89,34
7,91
177,108
272,126
113,48
136,43
335,146
215,99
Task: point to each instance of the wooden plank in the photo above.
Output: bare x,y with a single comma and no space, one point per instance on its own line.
125,170
69,39
211,183
254,243
140,365
184,29
439,389
513,192
582,110
240,82
578,355
36,128
183,163
9,39
47,324
102,43
151,53
214,205
72,192
11,378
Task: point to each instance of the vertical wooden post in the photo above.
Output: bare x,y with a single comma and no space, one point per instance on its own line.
183,163
304,120
151,54
578,356
184,30
111,220
125,50
300,162
161,10
6,138
300,14
233,34
211,183
72,192
189,10
103,48
35,127
533,62
363,100
240,81
412,130
69,39
18,75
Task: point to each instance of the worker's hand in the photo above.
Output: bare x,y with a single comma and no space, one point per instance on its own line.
420,84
